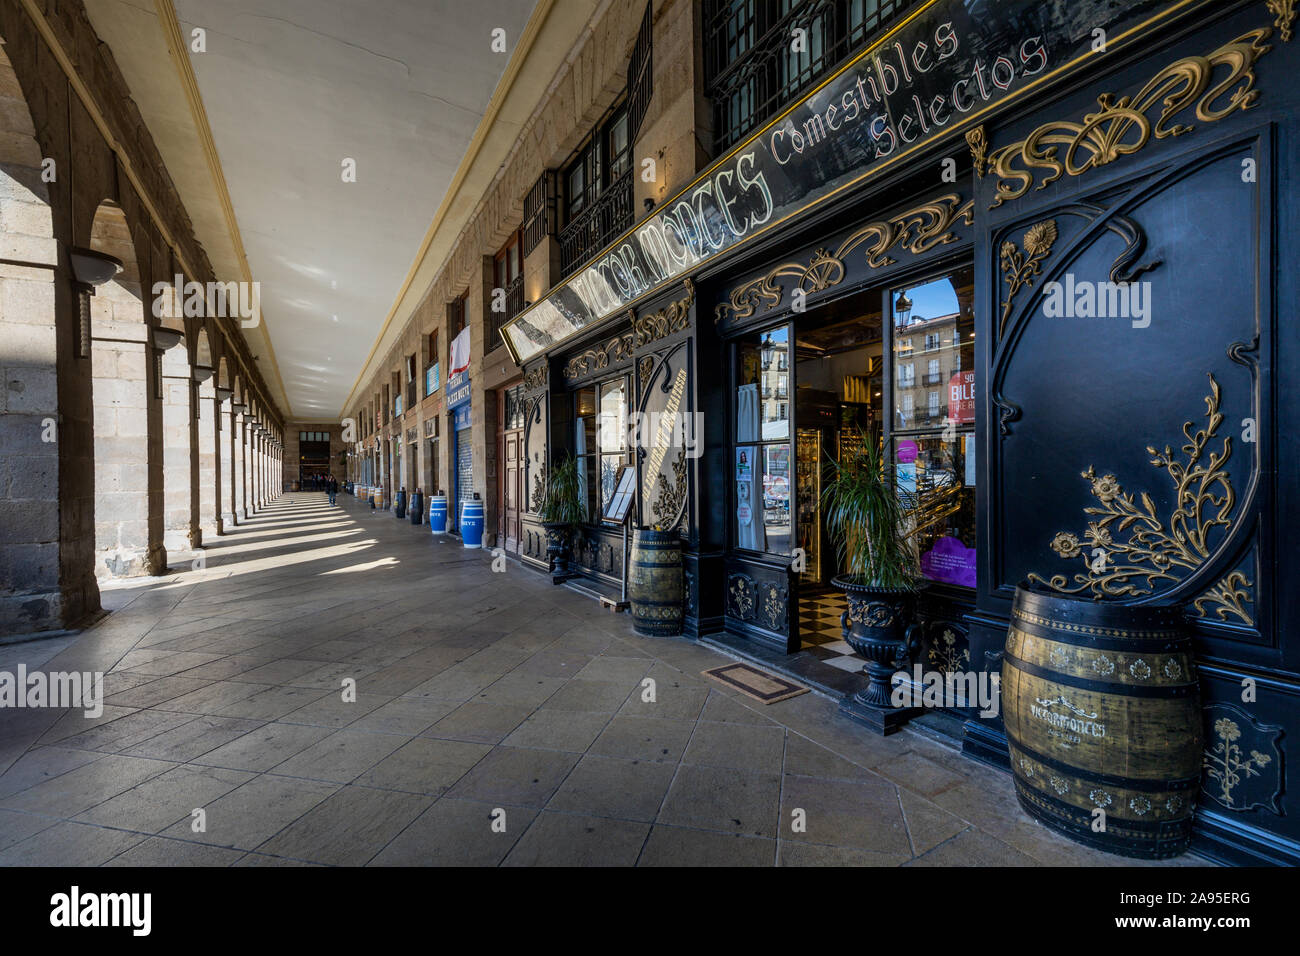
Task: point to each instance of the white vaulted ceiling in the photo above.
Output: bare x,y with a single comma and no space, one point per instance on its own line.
289,89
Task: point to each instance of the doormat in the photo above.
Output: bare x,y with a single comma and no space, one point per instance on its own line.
752,682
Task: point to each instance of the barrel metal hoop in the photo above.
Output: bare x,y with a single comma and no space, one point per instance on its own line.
1173,832
1164,784
1168,692
1118,638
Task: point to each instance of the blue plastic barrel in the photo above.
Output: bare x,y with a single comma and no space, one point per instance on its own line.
471,523
438,514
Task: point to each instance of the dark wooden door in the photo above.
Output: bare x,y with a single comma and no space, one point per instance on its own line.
513,489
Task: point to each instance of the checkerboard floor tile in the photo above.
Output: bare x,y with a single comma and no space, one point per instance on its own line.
820,633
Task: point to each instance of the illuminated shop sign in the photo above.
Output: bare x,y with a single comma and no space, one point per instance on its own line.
935,74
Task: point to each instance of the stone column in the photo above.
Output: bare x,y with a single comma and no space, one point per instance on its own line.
120,366
180,532
225,463
208,471
255,466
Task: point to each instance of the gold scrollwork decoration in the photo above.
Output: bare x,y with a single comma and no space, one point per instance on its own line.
1020,266
1283,17
978,141
1121,126
1157,550
671,318
916,231
601,356
536,378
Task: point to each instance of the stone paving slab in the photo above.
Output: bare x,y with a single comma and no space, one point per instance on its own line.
343,689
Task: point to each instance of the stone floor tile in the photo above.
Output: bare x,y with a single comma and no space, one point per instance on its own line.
265,747
255,811
160,801
512,775
348,827
457,833
479,722
644,738
159,851
743,746
192,739
70,844
675,846
614,787
341,757
566,839
729,801
558,730
425,765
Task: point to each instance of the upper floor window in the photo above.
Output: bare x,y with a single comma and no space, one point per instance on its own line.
508,289
596,182
752,67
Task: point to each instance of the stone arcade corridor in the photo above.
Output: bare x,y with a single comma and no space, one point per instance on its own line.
475,691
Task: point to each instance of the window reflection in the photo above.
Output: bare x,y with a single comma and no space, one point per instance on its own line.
934,421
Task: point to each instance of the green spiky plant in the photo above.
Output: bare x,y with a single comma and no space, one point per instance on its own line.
562,502
866,520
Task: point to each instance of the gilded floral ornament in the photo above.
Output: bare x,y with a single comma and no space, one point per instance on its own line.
1158,549
1228,765
1121,126
1019,269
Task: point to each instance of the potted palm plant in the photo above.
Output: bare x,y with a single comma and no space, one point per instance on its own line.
868,525
561,512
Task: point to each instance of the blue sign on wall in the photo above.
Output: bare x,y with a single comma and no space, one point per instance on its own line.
460,418
458,392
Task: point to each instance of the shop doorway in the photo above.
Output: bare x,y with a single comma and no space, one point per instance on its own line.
893,366
839,368
511,455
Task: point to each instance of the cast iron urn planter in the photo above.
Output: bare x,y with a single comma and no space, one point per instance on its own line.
558,538
879,625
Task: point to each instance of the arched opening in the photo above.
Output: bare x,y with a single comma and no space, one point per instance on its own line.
31,441
125,543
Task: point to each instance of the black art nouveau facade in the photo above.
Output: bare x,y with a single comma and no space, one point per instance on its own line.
1054,281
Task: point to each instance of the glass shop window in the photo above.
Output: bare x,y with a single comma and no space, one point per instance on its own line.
761,459
932,438
600,440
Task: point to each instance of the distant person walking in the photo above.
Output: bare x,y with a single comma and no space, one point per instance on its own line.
333,487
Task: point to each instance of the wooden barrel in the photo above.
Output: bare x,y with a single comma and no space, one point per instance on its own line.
654,583
1102,712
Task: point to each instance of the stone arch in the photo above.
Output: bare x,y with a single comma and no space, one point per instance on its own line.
34,592
128,496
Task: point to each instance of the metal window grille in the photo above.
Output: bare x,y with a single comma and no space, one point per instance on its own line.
752,70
